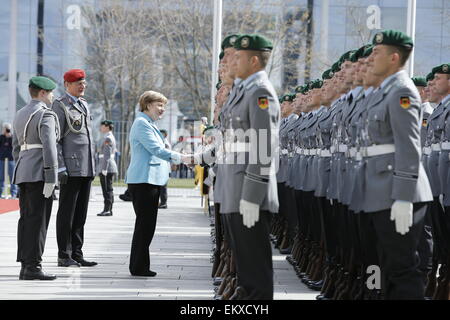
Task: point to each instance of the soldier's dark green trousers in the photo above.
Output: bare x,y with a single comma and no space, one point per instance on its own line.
35,211
253,252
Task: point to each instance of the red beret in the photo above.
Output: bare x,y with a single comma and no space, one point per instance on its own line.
74,75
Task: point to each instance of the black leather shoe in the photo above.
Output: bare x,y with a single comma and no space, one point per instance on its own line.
125,197
35,273
286,250
68,262
105,214
85,263
148,273
162,206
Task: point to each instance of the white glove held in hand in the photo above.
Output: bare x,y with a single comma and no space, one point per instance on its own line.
402,214
48,189
250,213
104,172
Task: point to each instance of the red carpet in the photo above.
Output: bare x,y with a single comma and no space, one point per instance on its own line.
8,205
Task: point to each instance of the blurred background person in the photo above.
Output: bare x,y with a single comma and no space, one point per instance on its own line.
163,195
107,167
6,161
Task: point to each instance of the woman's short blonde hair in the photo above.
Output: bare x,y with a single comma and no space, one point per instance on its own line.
148,97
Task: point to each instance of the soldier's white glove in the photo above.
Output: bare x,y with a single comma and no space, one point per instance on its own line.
48,189
211,173
402,214
104,172
250,213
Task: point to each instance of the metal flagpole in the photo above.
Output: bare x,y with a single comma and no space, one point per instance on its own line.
411,31
12,68
217,32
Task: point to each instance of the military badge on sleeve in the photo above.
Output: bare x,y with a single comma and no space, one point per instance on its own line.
404,102
263,103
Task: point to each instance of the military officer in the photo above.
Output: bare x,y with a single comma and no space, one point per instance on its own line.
250,189
36,132
396,189
441,86
76,169
107,167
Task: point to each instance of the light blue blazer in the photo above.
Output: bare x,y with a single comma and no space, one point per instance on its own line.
150,160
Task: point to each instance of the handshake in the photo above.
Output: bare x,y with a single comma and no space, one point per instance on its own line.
189,159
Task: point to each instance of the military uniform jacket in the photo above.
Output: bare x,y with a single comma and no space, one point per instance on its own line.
311,177
332,192
219,152
282,173
35,124
292,155
76,147
427,111
444,156
253,176
394,117
107,154
302,164
349,137
435,126
324,125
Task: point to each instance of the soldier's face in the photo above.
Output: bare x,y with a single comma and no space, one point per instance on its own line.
423,93
381,60
76,88
228,55
441,84
243,64
104,129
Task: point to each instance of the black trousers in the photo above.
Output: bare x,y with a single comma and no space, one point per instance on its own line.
253,252
107,190
71,216
163,195
145,204
399,259
35,211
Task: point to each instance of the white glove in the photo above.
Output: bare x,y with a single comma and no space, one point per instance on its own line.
211,173
48,189
104,172
250,213
402,214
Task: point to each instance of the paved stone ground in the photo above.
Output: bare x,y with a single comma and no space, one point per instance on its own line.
180,253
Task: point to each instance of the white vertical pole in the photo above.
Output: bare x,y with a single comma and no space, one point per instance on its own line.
324,31
411,31
217,32
12,68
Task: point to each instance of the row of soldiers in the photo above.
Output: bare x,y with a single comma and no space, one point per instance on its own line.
363,177
361,183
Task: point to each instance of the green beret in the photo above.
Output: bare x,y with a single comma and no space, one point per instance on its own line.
328,74
358,53
336,67
253,42
221,55
346,56
430,76
393,38
229,41
316,84
40,82
419,81
107,122
443,68
298,89
207,128
367,52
